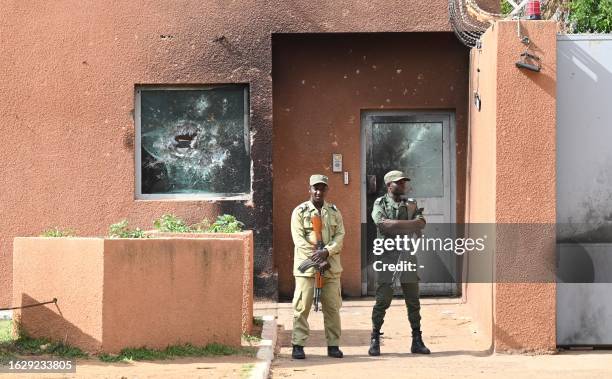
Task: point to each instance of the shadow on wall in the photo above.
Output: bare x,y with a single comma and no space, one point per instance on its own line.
547,77
41,321
591,70
502,335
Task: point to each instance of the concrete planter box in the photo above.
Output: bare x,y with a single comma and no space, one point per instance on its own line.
247,284
117,293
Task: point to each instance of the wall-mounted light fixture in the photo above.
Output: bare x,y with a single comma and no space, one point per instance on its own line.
528,61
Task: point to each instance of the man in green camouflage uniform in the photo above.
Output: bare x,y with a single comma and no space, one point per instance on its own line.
305,243
395,215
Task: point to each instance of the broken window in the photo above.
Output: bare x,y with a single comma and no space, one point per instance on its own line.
416,148
193,142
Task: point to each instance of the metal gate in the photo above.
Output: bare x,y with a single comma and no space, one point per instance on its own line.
584,190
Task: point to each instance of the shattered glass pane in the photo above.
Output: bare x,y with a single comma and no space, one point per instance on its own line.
416,149
195,141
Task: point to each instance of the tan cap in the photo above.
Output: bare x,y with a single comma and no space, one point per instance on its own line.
394,176
316,179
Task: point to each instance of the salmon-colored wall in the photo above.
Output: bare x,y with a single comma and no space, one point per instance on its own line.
70,270
68,78
117,293
526,177
481,176
247,262
162,292
322,83
517,121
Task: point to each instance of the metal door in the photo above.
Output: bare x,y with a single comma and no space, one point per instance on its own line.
422,145
584,190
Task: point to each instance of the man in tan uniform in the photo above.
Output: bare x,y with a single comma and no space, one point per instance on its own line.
305,241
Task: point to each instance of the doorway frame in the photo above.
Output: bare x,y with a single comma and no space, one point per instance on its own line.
407,115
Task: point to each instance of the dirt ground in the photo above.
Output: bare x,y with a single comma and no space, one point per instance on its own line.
219,367
459,349
235,366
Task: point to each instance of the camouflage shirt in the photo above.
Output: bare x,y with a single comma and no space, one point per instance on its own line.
387,208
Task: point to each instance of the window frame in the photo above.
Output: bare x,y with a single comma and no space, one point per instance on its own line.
247,196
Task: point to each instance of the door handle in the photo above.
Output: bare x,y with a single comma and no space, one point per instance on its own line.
371,184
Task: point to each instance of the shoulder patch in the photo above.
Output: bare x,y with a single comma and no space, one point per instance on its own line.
333,206
302,207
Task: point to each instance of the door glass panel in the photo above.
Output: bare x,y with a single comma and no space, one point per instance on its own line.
416,149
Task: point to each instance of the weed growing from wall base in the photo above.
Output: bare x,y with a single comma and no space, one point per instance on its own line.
121,229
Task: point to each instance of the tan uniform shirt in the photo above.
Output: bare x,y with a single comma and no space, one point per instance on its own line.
305,240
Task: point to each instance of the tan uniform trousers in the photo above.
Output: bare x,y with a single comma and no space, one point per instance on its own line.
331,301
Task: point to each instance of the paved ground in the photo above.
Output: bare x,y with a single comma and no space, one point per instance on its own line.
459,349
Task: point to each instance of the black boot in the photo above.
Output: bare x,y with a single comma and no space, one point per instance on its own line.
418,347
298,352
334,352
375,343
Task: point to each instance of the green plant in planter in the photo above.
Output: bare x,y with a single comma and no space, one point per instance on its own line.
171,223
57,232
226,224
201,227
121,230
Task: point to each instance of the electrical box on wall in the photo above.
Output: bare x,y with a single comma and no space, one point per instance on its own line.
336,162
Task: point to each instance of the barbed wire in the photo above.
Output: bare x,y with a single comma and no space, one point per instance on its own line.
467,29
469,21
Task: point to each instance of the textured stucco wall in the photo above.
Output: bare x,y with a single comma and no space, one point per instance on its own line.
117,293
68,81
518,122
322,83
526,178
161,292
70,270
247,267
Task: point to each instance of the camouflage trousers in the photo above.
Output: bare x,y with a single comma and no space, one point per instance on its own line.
384,295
